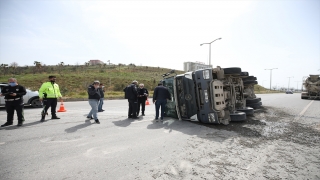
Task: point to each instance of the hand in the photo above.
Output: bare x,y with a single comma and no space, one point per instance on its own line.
154,101
13,94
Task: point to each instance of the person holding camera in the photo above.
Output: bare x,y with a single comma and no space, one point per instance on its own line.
13,95
94,94
142,97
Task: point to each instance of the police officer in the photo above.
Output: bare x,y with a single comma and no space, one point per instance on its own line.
14,101
131,94
48,93
142,97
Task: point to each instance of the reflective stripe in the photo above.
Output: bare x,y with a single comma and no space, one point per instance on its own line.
12,99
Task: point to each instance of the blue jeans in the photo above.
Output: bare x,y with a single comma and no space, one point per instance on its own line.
160,103
100,104
94,108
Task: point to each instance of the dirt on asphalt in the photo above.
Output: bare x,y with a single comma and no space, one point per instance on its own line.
272,144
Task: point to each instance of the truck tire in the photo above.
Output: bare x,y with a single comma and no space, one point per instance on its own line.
244,74
251,101
249,78
250,82
232,70
238,116
247,110
255,105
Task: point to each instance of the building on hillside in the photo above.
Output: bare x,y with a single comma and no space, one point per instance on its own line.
95,62
192,66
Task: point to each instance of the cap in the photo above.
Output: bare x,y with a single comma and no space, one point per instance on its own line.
96,82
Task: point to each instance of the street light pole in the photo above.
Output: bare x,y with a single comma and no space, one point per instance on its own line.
270,75
289,82
210,48
297,84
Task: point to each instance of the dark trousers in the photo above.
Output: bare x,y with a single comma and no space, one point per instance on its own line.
49,102
142,103
14,105
133,106
160,103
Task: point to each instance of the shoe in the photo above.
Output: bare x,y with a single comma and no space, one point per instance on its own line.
20,123
42,119
89,117
97,121
6,124
143,114
103,110
129,116
55,117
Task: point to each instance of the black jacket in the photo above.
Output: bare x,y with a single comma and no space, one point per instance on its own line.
161,93
93,93
101,92
19,90
130,92
142,94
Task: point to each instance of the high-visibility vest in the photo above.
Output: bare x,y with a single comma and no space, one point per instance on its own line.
50,89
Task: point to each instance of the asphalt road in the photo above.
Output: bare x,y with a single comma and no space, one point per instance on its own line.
282,140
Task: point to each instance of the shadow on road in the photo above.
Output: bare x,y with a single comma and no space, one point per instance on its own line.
123,123
77,127
12,127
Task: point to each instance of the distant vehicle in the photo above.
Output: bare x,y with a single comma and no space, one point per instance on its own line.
31,98
312,87
289,92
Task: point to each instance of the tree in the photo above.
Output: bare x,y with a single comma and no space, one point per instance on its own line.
14,66
274,87
5,68
60,66
38,65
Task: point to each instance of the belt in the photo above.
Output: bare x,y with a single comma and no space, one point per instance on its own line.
12,99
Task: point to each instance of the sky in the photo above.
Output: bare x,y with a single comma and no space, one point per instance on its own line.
256,35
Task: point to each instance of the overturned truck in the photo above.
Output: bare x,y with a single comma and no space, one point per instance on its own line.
312,87
215,95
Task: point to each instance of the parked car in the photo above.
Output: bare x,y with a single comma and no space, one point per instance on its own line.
31,98
289,92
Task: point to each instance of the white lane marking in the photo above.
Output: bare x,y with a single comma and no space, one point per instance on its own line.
303,111
2,143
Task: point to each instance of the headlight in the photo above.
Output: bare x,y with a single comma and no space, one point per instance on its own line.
206,74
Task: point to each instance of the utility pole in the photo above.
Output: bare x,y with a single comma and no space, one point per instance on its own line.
270,75
210,48
289,82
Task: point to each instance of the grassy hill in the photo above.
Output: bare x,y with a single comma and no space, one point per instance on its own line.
74,80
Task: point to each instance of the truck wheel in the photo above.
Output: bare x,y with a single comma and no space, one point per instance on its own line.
255,105
247,110
250,82
238,116
232,70
251,101
244,74
36,103
249,78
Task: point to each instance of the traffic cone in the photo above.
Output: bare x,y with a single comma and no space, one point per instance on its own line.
147,102
62,108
